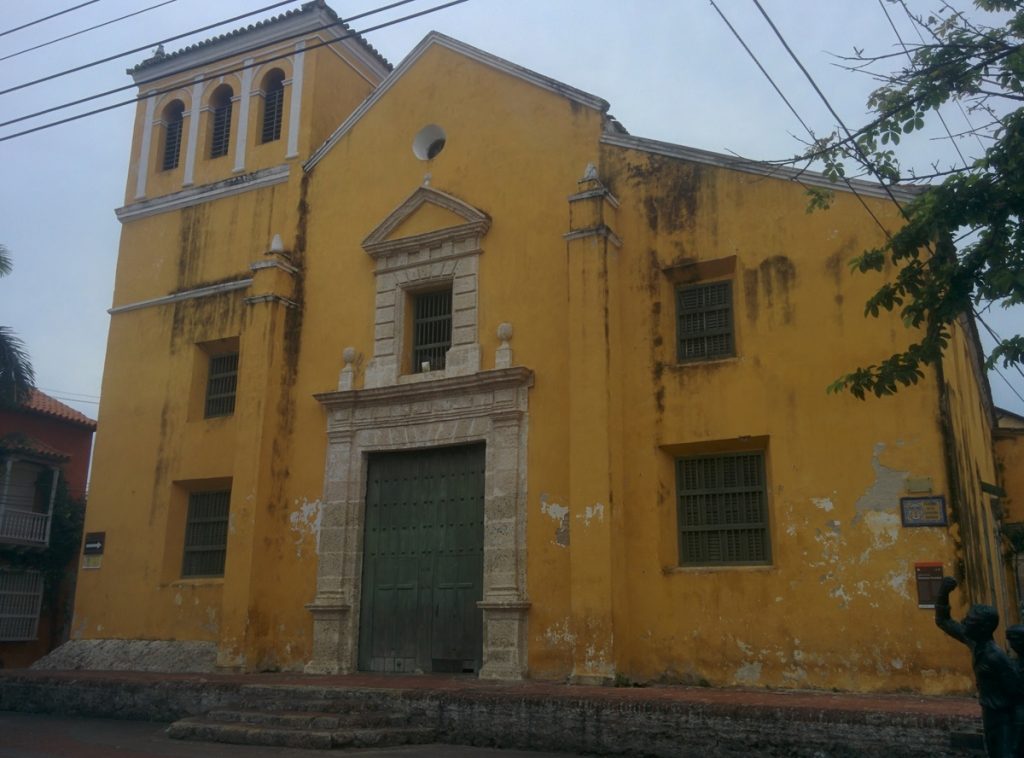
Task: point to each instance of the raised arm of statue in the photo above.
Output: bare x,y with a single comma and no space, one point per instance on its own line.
943,619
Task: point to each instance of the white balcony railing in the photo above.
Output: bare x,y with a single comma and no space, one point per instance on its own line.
24,527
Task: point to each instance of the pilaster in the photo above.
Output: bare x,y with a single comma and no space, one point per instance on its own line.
260,384
593,335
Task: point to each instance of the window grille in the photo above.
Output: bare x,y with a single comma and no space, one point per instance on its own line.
432,329
173,120
21,598
723,511
705,321
221,133
206,534
273,108
221,385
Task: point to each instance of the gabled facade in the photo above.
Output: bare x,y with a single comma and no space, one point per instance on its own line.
43,444
488,385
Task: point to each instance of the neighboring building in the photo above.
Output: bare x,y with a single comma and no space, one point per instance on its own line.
42,441
440,369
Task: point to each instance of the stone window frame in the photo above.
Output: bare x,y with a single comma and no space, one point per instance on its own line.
448,256
489,407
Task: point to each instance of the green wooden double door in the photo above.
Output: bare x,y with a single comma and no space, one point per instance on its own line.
423,561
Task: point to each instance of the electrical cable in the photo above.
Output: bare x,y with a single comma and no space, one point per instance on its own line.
835,115
762,68
84,395
114,57
917,27
846,181
87,29
157,93
47,18
996,337
910,58
229,56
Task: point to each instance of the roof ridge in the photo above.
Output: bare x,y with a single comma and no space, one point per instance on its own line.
159,56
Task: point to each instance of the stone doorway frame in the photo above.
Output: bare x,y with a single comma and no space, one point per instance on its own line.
489,407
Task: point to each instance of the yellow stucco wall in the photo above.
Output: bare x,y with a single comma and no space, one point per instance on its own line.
609,412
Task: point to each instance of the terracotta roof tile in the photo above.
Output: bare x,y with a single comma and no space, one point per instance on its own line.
22,443
40,402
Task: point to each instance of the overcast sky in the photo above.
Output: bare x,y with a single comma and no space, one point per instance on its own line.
671,70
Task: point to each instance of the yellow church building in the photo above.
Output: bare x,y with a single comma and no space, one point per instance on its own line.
439,369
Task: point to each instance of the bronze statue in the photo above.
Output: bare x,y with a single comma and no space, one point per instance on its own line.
994,672
1015,637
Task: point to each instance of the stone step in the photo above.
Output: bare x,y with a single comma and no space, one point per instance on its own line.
317,719
208,730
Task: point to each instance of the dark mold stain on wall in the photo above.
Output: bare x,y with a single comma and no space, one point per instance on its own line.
770,285
673,191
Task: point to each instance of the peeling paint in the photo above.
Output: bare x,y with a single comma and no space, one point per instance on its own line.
884,528
822,502
306,520
560,634
560,513
591,512
884,493
749,673
899,581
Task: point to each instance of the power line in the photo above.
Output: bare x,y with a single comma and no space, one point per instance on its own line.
75,400
87,29
910,58
114,57
853,143
233,55
917,27
47,18
810,131
157,93
996,337
1012,388
762,68
84,395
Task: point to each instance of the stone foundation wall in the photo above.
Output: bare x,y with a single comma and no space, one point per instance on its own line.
131,655
607,723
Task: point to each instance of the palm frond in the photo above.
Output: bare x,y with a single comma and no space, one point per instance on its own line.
16,375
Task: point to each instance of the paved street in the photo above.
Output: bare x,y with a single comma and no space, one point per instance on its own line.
42,736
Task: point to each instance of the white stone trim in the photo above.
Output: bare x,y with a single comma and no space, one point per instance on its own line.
813,178
406,264
295,106
177,297
489,407
243,116
193,133
147,141
208,192
435,38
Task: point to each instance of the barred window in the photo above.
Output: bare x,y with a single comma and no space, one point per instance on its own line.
431,329
21,598
273,105
704,312
221,385
221,123
206,534
722,510
173,119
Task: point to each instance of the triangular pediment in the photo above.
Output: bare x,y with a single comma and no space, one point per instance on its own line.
426,217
